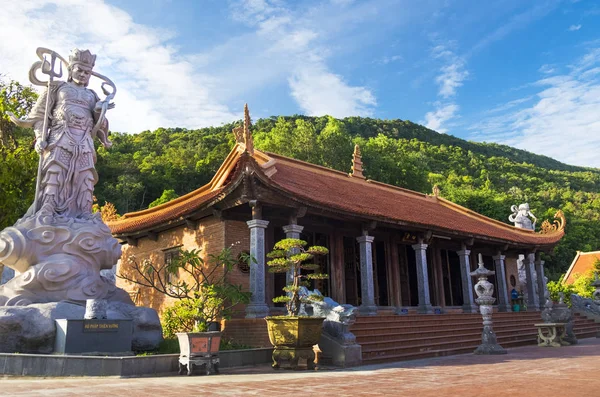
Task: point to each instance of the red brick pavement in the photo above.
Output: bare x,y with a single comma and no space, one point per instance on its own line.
527,371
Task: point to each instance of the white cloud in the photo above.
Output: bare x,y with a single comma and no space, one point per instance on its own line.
156,86
451,76
443,113
388,59
547,69
320,92
563,122
574,28
292,46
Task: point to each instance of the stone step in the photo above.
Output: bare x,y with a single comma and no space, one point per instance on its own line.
452,328
437,327
364,323
419,336
503,335
438,318
435,350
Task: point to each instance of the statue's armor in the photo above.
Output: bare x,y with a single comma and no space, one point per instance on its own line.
72,122
68,162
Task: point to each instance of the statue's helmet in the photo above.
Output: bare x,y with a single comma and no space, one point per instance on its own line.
524,206
79,57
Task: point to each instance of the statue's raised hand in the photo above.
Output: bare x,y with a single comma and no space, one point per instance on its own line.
40,146
99,104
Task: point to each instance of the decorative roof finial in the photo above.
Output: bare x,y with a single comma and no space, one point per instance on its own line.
243,136
436,190
557,226
357,169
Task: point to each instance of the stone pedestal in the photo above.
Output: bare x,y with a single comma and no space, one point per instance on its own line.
258,307
533,301
467,285
292,231
97,337
59,258
503,298
422,279
484,290
367,288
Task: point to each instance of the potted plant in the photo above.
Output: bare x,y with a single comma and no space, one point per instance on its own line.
204,297
294,336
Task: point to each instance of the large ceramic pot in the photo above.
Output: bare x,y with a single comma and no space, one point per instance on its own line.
293,339
199,349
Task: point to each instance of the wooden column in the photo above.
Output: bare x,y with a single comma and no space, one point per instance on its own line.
394,268
338,292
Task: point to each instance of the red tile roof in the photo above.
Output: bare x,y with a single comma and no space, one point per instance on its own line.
582,264
336,191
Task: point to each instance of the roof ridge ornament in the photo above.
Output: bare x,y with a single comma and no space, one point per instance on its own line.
558,225
243,136
436,190
357,169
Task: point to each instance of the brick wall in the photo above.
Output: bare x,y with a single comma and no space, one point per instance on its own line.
208,237
247,331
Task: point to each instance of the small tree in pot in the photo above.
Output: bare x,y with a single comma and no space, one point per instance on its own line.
294,336
201,288
204,296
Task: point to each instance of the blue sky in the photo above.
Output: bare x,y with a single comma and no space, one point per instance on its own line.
523,73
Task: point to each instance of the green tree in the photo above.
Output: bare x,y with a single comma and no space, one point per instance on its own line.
165,197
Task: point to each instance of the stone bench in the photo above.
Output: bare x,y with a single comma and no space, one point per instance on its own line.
552,334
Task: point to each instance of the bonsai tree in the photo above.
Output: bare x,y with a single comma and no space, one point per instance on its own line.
290,256
202,291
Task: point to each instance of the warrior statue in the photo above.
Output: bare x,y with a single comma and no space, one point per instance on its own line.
520,217
64,120
59,247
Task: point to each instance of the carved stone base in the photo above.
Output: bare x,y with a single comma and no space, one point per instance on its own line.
59,259
32,329
289,357
489,343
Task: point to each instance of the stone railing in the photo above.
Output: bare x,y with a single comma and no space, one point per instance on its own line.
588,307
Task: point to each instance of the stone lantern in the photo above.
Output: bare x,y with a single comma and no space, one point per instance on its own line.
484,290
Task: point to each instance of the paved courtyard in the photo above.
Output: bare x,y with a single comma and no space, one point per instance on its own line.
526,371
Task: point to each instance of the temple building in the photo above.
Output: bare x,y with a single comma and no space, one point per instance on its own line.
391,250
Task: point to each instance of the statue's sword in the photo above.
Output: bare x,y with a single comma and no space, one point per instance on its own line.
48,69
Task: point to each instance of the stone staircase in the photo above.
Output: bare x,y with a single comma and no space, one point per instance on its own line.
387,338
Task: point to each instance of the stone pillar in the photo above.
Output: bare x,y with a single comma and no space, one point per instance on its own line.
467,283
533,301
422,278
541,282
367,288
503,297
292,231
258,307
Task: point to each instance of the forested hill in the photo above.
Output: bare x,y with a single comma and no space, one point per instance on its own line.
154,166
368,127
